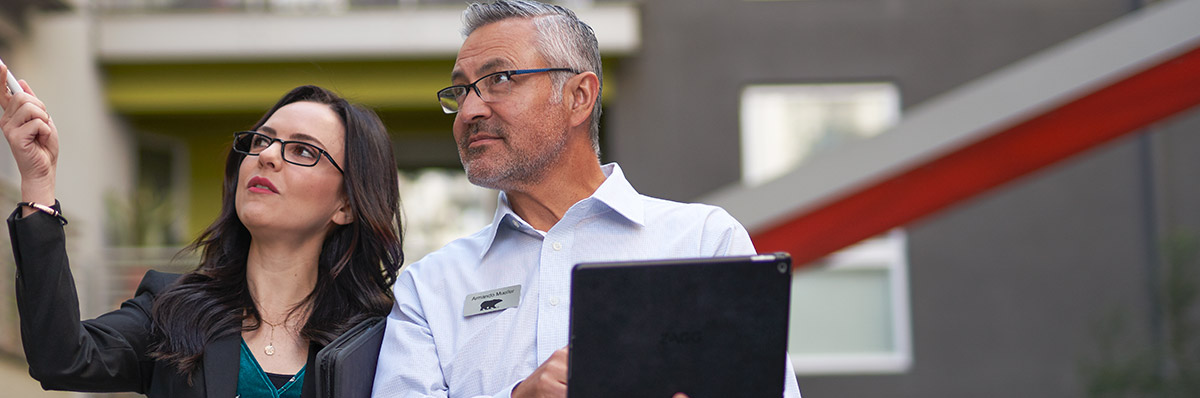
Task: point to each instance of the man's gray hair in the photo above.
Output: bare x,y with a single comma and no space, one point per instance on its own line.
563,40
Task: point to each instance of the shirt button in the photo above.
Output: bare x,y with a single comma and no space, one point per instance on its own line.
557,246
554,301
516,224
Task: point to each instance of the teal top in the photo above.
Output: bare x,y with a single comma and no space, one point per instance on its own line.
253,382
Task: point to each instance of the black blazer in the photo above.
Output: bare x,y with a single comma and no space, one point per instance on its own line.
109,353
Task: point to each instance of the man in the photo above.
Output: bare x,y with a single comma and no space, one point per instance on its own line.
527,96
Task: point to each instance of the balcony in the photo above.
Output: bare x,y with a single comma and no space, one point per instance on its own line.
304,6
134,31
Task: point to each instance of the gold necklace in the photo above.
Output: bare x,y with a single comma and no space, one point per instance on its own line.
270,348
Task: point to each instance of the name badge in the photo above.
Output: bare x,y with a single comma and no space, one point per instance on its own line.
492,300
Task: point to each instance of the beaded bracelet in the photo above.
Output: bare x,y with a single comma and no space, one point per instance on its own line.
45,209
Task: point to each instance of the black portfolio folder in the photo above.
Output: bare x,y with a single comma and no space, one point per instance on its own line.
346,367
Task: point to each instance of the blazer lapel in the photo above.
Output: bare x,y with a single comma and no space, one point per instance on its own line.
309,388
221,362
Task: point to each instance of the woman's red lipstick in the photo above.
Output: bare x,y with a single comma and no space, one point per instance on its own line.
261,185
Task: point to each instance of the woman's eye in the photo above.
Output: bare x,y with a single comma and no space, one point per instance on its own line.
304,152
261,142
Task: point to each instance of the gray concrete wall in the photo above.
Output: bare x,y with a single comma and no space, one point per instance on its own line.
1010,291
678,108
1177,150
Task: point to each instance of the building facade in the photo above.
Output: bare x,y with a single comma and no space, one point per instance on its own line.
1021,290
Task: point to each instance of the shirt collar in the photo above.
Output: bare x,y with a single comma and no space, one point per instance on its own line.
619,195
615,192
504,216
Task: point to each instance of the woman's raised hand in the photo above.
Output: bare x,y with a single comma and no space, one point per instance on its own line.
33,140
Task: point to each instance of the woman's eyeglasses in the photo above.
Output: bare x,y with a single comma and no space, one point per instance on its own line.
295,152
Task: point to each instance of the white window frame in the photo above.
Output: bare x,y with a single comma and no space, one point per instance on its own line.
887,252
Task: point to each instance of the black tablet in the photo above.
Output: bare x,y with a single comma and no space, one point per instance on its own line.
709,327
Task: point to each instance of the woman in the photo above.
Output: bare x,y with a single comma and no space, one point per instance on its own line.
307,245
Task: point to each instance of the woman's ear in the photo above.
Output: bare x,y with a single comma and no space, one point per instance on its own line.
344,214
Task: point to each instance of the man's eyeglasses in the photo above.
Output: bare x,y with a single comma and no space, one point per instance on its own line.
490,87
295,152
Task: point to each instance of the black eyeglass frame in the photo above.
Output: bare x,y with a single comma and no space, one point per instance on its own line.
283,149
474,85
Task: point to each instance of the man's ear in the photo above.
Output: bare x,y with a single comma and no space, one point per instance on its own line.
580,96
344,214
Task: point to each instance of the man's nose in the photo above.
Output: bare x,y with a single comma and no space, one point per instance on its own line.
473,106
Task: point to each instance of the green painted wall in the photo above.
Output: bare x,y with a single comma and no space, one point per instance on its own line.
226,87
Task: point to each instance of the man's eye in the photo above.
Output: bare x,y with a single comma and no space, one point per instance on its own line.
500,78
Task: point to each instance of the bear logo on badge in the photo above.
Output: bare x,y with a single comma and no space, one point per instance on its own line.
489,305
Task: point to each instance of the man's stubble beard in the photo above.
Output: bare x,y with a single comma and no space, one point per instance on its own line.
520,167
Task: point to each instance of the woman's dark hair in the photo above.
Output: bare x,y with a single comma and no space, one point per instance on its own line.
357,265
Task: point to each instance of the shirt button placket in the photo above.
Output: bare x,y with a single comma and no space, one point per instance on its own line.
556,263
548,286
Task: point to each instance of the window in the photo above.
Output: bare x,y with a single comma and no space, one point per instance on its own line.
850,314
782,125
153,214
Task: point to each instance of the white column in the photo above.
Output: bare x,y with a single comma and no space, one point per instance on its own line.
95,153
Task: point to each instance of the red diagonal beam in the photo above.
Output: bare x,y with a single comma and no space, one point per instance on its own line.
1112,111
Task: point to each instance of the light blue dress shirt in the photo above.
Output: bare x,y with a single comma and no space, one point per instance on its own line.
432,350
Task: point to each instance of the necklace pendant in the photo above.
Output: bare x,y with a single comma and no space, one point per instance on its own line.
269,349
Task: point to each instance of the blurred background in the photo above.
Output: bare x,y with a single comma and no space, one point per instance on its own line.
984,198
